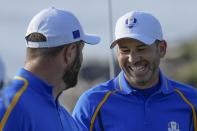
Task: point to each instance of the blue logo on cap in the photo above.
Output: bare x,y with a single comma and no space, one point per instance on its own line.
131,22
76,34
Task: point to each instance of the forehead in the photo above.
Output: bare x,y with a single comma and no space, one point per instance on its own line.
128,42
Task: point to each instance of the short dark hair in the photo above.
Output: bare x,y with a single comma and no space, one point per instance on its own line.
36,37
157,42
41,52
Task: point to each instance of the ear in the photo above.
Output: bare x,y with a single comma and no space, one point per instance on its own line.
68,53
162,48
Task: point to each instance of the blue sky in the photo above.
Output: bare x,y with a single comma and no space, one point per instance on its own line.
178,19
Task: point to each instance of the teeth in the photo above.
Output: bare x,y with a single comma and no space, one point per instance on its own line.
138,68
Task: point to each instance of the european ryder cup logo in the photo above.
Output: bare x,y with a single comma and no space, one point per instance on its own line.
131,22
173,126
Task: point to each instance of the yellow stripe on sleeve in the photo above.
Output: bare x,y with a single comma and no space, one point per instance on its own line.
192,107
13,102
98,108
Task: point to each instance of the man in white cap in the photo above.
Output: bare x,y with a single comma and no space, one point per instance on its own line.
141,97
55,40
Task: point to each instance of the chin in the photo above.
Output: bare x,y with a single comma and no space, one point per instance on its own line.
70,79
145,78
141,80
71,84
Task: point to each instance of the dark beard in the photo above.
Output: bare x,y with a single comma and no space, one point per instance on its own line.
71,75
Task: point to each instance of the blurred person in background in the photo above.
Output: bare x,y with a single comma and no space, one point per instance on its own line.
55,40
2,73
141,97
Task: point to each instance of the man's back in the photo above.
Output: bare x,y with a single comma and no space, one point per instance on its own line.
32,107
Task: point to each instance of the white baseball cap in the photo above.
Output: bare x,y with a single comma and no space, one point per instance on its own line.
138,25
59,27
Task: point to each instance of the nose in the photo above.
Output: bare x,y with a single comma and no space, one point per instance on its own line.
133,57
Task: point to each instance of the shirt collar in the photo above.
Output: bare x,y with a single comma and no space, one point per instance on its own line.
35,82
166,86
123,86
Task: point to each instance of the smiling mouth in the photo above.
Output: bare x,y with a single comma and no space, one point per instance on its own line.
139,69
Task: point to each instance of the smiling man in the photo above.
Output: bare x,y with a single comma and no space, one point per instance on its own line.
140,62
141,97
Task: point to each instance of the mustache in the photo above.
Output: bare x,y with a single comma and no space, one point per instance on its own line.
138,63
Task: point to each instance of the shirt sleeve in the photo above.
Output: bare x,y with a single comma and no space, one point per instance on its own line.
17,120
193,100
82,113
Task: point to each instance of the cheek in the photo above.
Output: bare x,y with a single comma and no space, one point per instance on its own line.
151,55
122,60
154,59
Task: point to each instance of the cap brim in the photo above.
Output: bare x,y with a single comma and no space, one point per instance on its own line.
91,39
144,39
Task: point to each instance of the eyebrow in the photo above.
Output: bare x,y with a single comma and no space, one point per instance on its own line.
123,47
143,45
138,46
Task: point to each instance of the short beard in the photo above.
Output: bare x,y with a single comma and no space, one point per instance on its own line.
71,75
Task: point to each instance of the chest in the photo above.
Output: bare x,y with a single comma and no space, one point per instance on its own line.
127,113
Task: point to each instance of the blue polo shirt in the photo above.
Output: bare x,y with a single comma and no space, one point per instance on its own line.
116,106
28,105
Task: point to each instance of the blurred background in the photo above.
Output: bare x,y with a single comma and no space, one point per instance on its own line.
178,20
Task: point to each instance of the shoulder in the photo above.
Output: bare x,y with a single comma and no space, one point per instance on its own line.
98,91
102,87
188,91
15,90
184,87
12,97
92,97
89,101
12,109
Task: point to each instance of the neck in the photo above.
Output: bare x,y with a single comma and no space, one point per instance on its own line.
48,73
